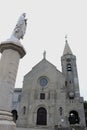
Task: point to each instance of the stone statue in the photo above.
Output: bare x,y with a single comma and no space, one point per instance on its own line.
20,28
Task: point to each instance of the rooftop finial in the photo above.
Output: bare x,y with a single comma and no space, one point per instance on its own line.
66,39
44,54
67,49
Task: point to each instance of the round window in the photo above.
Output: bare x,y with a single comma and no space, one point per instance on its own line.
43,81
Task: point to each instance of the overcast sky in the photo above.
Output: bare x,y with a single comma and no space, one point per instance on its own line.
48,23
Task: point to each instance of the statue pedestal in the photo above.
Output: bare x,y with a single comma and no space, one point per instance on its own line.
6,122
7,125
11,51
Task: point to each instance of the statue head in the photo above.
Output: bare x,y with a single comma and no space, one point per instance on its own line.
24,14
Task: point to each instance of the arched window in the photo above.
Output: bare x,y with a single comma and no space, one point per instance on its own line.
74,117
65,83
15,115
24,110
19,98
41,116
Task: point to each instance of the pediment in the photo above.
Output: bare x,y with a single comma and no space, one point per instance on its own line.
42,67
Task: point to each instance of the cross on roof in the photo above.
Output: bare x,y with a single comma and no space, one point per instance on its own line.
44,54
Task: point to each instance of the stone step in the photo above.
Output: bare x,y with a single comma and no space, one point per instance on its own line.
64,129
32,129
74,128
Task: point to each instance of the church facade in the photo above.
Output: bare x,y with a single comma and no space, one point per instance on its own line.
50,98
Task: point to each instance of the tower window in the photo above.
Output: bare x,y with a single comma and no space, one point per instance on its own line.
42,95
65,83
68,59
61,110
69,68
70,82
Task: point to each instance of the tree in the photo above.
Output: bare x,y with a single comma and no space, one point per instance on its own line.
85,108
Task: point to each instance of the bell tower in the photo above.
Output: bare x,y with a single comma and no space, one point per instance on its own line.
69,69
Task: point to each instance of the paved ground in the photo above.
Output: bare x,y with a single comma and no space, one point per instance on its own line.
33,129
30,129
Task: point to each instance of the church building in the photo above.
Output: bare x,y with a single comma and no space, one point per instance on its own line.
49,98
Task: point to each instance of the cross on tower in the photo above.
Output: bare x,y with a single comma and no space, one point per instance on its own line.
66,39
44,54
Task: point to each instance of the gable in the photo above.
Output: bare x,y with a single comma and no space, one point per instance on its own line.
41,68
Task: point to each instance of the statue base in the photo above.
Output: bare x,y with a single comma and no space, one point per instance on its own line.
14,44
6,121
7,125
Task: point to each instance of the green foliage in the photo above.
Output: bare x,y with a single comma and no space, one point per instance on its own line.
85,108
85,105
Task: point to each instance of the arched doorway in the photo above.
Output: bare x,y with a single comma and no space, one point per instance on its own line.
15,115
74,117
41,116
